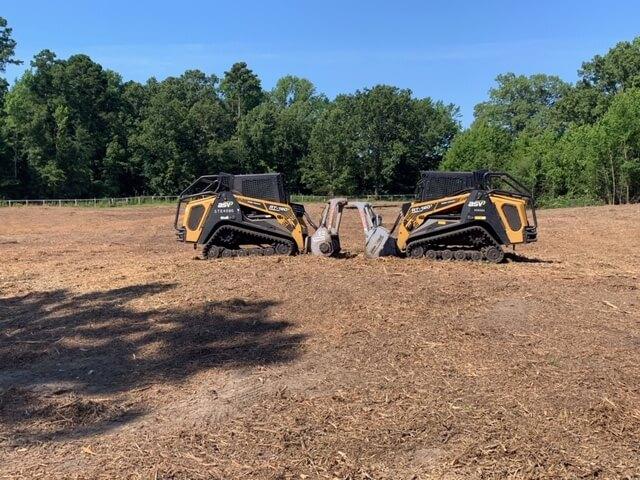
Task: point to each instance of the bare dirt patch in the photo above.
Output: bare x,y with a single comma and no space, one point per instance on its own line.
122,356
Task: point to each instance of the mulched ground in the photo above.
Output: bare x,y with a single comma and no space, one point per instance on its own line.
124,356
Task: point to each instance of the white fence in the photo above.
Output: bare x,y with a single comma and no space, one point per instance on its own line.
90,202
154,199
369,198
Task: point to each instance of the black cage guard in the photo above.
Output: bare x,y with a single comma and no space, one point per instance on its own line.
266,186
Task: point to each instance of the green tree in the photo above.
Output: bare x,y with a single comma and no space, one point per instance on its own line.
582,105
518,102
482,146
241,89
290,90
123,170
620,147
389,137
7,46
68,127
330,168
575,172
618,69
602,160
183,132
8,165
436,126
601,78
58,125
274,136
534,160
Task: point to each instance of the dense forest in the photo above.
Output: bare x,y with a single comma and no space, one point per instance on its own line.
70,128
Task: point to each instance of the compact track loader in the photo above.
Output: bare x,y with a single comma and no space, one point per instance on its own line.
457,215
239,215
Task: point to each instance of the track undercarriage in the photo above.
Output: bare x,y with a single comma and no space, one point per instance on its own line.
235,241
471,243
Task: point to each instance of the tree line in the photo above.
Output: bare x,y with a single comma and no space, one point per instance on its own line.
572,141
70,128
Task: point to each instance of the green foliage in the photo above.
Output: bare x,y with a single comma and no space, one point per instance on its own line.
241,89
291,90
330,167
518,102
182,132
618,148
615,71
576,143
382,136
482,146
8,173
7,46
582,105
567,202
58,125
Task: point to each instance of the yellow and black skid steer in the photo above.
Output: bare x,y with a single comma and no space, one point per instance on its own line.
457,215
239,215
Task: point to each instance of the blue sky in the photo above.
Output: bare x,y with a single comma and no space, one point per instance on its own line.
448,50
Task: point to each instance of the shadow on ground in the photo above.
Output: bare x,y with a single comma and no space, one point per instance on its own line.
59,352
517,258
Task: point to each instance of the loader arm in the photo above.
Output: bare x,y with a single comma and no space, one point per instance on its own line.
282,212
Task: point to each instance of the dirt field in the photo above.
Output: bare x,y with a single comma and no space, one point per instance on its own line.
123,356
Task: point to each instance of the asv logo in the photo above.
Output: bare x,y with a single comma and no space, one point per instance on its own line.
477,203
226,204
277,208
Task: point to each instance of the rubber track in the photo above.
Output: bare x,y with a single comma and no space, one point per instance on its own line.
272,240
433,241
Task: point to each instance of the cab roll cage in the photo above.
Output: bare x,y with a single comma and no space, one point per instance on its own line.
203,186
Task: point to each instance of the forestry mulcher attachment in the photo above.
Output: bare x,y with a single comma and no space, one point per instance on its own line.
325,241
378,241
457,215
240,215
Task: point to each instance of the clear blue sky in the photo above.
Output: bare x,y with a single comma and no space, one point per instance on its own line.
448,50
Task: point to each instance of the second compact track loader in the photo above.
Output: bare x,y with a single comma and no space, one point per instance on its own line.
239,215
456,215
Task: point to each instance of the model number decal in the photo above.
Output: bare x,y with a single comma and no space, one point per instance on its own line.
277,208
421,209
